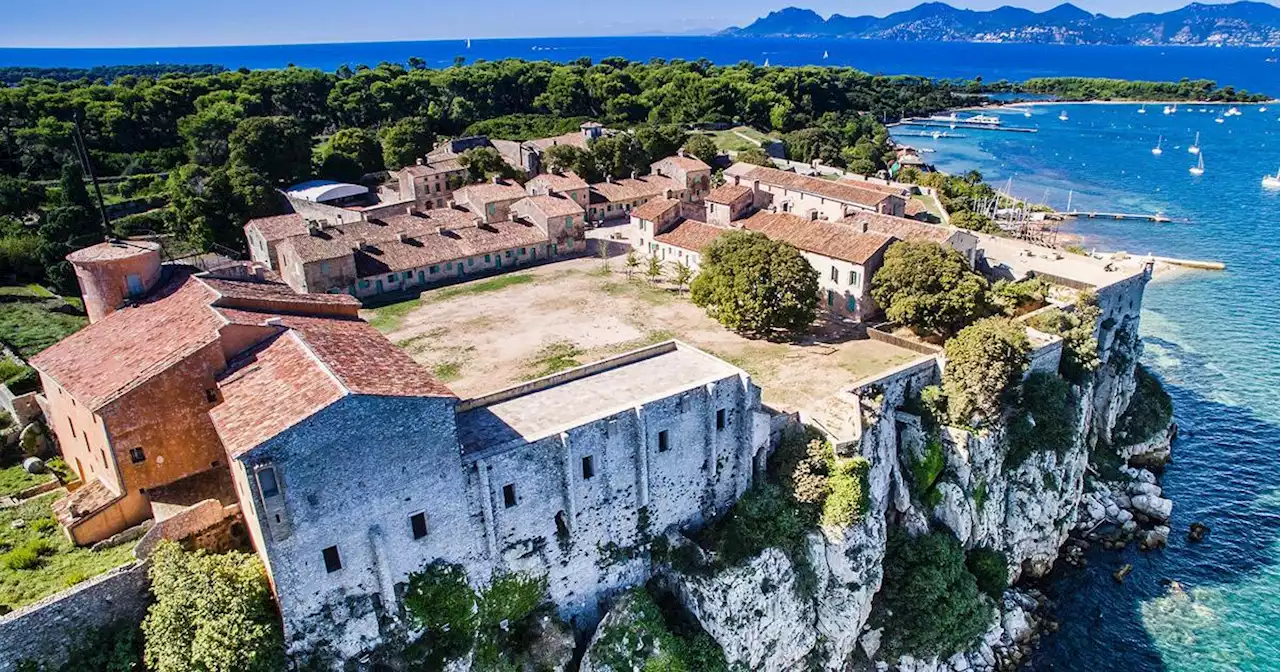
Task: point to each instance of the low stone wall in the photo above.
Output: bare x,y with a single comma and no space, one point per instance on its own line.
44,631
22,407
880,332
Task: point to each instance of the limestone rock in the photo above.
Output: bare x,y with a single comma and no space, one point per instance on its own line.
550,646
1154,506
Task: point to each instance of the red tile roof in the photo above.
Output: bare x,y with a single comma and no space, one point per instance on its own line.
652,211
575,138
841,191
489,192
836,241
84,502
898,227
728,194
648,186
112,250
393,255
552,206
690,235
435,167
557,181
685,163
279,226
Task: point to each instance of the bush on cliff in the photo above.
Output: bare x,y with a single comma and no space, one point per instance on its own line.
212,613
990,568
827,489
756,286
1079,348
638,634
929,288
440,601
929,604
1150,411
983,362
1045,419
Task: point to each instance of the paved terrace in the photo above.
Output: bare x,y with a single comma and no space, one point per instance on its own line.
549,405
1021,258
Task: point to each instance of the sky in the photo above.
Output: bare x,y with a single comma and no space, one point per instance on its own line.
125,23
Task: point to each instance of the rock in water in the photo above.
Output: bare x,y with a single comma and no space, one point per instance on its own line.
1197,532
1121,573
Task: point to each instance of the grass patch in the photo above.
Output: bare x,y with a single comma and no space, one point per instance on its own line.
447,372
33,291
390,317
31,326
58,563
553,358
639,288
480,287
15,479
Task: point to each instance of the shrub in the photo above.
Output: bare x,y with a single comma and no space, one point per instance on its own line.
1016,298
1150,411
983,361
929,288
925,472
1079,348
929,604
440,601
511,598
212,613
990,568
1044,419
757,286
646,638
849,498
21,558
762,518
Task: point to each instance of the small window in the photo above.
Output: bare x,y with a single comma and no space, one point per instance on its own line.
835,274
486,258
852,304
508,254
211,395
853,277
471,261
267,483
391,278
332,561
522,251
408,275
72,425
720,419
509,495
663,443
588,467
831,298
137,455
435,269
418,522
448,266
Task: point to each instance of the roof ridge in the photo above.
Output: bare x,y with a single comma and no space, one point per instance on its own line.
306,347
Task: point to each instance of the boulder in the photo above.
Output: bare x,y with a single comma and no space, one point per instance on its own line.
1153,506
1197,532
1015,624
551,645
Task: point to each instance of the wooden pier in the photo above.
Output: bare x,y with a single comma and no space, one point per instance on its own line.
933,123
1133,216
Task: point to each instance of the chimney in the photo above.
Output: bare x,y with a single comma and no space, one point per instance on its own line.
403,237
681,153
497,179
408,210
272,322
634,175
357,245
419,160
608,178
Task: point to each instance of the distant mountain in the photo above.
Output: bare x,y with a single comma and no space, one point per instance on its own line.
1239,24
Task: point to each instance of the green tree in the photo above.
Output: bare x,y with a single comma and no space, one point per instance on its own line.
572,159
756,286
929,288
212,613
1080,348
633,263
348,154
990,568
756,157
207,132
405,141
440,601
485,162
1044,419
654,269
18,197
702,148
681,274
277,148
984,363
929,602
968,219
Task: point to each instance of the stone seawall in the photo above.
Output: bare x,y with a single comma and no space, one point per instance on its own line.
44,631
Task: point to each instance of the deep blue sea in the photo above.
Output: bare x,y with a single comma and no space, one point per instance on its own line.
1242,67
1212,337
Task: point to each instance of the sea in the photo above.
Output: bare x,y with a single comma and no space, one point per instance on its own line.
1210,336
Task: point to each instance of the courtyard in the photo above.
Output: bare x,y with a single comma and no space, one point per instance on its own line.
489,334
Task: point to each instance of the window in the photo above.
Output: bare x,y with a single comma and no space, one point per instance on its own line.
211,395
522,252
490,208
72,425
509,495
831,298
135,284
418,522
720,419
471,261
853,277
508,254
852,304
332,561
588,467
835,274
391,278
408,275
435,269
136,455
267,483
486,258
364,284
449,266
663,443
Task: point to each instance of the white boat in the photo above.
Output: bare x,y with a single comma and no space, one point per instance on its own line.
1157,150
1233,112
1272,181
1262,109
825,55
1027,114
1168,109
468,43
1142,110
1219,120
766,62
1063,116
1198,169
1195,147
984,119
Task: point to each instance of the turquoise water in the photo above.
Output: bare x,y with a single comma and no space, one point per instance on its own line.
1211,337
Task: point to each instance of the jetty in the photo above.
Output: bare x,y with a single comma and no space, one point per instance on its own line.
1134,216
927,134
1191,263
935,123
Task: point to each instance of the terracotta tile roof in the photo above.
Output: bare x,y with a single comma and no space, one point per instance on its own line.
690,235
232,292
575,138
686,163
654,210
837,241
876,186
112,250
841,191
557,182
435,167
898,227
728,194
87,500
648,186
915,207
314,363
111,356
434,248
279,227
551,206
489,192
335,242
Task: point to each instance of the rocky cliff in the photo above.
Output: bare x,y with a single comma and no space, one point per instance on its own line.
763,623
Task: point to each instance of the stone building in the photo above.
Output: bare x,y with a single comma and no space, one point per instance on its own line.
813,196
691,173
431,184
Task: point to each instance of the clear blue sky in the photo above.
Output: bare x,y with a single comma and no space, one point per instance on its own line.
83,23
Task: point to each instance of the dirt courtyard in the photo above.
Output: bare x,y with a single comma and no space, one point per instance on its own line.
488,334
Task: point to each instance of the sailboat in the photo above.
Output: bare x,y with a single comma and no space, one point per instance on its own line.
1198,169
825,55
468,43
1195,147
1262,109
766,62
1142,110
1063,116
1272,181
1157,150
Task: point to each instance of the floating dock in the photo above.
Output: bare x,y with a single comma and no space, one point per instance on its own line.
1134,216
927,134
